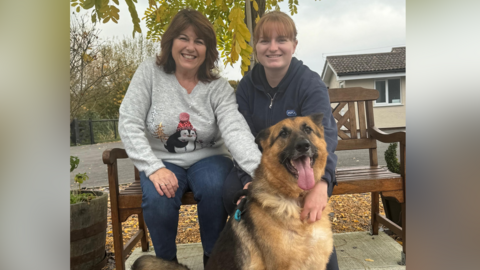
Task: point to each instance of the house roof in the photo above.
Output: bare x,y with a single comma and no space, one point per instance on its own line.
356,64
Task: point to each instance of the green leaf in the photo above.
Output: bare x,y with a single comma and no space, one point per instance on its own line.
74,161
134,15
78,9
88,4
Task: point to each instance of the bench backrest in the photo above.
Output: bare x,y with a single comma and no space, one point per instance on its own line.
353,111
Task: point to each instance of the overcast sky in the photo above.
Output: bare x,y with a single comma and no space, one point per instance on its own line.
326,27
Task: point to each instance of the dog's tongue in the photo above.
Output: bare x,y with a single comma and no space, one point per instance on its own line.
305,173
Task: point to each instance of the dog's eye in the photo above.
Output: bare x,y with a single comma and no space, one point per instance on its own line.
283,134
308,130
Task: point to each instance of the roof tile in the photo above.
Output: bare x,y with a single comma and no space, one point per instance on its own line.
393,61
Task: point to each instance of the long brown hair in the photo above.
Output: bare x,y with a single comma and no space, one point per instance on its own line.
274,20
203,29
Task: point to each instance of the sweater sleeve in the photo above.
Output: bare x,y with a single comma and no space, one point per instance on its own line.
235,132
316,100
133,114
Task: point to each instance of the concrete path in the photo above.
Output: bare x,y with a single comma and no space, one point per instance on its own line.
355,251
91,162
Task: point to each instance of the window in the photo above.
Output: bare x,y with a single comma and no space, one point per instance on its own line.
389,91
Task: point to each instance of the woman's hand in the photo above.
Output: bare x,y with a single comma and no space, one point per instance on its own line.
315,202
244,187
165,182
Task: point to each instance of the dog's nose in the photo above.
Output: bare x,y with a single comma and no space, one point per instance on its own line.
302,145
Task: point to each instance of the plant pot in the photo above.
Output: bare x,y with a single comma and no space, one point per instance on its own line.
88,223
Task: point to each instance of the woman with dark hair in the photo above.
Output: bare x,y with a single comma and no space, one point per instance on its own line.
176,122
278,87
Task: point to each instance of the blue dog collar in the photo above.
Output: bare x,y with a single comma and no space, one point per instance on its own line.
238,215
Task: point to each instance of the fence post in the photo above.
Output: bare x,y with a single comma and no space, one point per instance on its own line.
92,140
76,132
115,128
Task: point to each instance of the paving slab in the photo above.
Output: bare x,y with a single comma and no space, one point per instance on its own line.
355,251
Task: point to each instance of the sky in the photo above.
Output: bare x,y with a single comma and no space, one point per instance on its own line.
325,27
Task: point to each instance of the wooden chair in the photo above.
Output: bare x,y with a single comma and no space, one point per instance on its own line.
353,110
126,203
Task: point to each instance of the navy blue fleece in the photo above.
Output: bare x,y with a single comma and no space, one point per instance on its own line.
300,93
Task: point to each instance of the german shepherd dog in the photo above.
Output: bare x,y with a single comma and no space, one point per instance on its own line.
267,232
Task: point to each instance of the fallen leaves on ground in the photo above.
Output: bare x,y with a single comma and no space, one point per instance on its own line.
350,213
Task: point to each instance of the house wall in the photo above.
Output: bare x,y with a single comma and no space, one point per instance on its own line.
333,83
385,116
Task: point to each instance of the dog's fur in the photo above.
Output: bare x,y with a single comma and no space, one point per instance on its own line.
270,234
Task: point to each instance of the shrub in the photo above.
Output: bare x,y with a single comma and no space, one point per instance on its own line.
391,158
75,195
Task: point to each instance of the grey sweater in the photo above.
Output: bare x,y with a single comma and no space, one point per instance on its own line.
159,121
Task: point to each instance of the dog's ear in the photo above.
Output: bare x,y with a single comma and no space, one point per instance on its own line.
261,137
317,119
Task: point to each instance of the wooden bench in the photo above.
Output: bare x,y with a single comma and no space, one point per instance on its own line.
352,135
353,111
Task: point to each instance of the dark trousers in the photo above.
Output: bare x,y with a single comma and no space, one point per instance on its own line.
233,185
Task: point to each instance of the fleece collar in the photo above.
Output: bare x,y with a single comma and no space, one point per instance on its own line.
255,76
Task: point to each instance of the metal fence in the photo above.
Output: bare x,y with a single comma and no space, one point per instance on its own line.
93,131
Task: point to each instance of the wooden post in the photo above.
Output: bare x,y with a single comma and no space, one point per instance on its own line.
92,140
248,11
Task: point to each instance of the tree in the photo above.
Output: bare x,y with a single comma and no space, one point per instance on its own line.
129,53
100,71
227,17
90,65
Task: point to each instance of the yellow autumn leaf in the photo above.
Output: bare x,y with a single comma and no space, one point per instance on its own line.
246,52
244,67
241,41
369,260
255,5
249,49
218,3
246,61
208,2
237,47
355,220
234,56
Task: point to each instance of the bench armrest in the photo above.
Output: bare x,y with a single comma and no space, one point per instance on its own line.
110,156
376,133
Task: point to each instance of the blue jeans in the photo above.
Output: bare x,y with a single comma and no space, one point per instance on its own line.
205,179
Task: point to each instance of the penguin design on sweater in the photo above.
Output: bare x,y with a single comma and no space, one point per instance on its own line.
185,138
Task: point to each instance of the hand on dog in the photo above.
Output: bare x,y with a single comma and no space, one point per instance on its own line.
315,202
244,187
165,182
